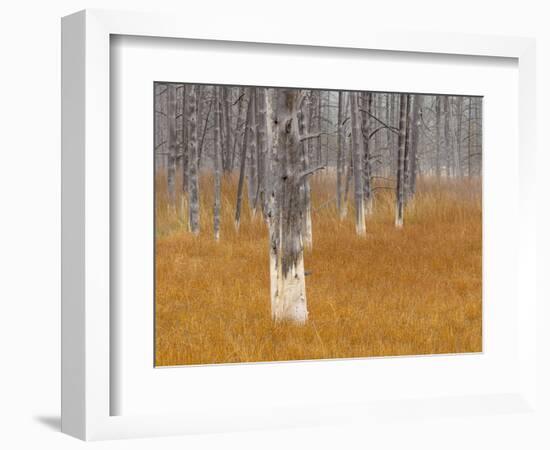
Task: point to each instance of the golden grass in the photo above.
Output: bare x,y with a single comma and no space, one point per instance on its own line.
396,292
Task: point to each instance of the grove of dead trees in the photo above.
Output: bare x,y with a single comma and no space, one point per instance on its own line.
273,141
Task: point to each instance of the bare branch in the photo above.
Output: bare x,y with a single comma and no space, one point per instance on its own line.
316,135
389,127
239,99
311,171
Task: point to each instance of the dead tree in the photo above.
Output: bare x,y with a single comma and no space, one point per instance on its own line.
217,163
172,145
446,135
242,168
438,136
251,154
194,218
400,188
340,156
304,122
286,208
458,145
407,153
357,147
413,158
366,103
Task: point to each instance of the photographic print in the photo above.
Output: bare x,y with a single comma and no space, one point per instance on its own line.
300,224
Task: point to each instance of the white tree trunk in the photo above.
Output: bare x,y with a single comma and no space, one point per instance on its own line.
288,294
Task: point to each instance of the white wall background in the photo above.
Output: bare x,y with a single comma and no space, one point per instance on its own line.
30,199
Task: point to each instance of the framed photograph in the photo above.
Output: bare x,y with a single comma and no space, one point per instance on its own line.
266,229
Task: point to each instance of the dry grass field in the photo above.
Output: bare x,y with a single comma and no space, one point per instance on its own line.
396,292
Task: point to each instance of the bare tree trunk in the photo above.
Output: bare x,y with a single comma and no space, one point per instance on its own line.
194,218
217,163
184,156
288,301
399,200
415,126
406,158
470,137
205,127
357,165
438,136
252,155
172,146
389,134
240,122
366,98
261,123
458,149
161,155
249,111
340,156
304,161
226,128
319,156
446,135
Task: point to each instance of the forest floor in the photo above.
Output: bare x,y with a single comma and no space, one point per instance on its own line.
396,292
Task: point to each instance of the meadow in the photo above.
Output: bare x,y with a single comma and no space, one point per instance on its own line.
410,291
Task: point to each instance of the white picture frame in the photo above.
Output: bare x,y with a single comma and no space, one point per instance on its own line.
86,326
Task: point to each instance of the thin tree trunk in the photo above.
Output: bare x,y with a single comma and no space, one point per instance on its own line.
438,136
340,156
172,145
252,155
399,191
470,137
366,98
184,156
237,133
415,126
446,135
205,127
217,163
304,161
194,218
357,165
242,168
261,124
407,154
458,152
226,124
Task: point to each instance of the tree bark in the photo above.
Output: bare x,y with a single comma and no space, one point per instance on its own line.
415,127
217,163
399,191
172,145
242,168
252,162
438,136
407,154
288,294
304,160
446,135
194,218
261,125
357,165
366,98
340,161
458,147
